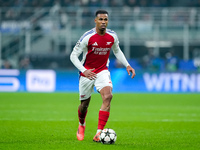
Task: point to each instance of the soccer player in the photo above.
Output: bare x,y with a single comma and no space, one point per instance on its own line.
96,45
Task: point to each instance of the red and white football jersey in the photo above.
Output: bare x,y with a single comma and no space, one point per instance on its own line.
96,50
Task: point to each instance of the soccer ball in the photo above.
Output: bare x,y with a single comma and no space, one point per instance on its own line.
108,136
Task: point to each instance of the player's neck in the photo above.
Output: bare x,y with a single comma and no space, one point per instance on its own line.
100,32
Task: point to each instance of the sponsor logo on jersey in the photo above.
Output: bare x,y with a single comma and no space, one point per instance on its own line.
100,51
95,44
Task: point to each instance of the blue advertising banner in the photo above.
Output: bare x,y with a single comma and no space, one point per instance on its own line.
67,81
156,82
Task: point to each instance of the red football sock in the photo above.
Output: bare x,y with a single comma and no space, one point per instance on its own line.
81,117
103,118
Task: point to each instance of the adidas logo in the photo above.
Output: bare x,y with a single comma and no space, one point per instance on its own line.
95,44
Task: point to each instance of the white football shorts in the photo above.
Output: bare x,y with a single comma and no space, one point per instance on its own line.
86,86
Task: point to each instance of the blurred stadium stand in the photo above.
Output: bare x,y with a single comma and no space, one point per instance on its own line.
154,34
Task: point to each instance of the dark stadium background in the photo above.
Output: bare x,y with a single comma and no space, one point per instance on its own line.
157,36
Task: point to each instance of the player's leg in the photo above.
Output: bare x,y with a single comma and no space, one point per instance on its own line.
104,112
104,86
82,112
106,94
85,89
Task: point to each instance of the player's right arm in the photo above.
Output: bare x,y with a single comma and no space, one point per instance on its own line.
79,48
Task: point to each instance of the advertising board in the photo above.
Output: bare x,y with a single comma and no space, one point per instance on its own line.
67,81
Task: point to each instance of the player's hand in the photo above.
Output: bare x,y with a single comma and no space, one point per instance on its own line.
130,70
89,74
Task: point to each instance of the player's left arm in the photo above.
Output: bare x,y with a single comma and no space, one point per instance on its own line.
120,56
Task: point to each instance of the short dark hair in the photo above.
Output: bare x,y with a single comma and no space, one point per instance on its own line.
101,11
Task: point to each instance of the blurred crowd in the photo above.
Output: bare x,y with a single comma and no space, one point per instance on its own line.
99,3
169,61
150,62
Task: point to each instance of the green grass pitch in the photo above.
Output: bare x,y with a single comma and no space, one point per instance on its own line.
45,121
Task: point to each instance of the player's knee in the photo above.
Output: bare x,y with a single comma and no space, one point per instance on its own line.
108,97
84,106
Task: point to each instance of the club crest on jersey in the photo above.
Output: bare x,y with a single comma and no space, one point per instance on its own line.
108,43
95,44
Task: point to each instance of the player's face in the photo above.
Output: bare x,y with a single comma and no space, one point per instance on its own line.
101,21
